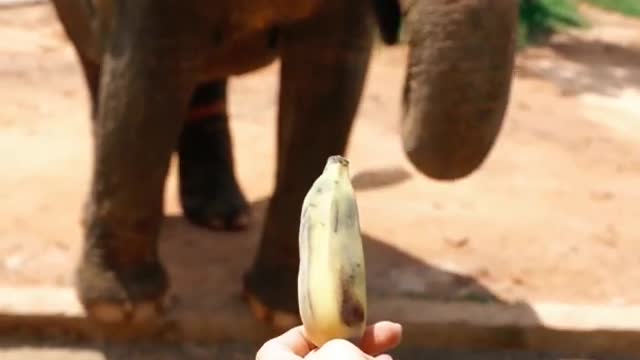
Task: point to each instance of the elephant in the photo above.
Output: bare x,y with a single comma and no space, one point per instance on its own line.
157,71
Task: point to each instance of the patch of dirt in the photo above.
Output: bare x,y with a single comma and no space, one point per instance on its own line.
552,215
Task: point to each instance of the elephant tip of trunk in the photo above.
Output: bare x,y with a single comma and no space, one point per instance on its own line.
443,168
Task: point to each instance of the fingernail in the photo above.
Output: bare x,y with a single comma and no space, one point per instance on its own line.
384,357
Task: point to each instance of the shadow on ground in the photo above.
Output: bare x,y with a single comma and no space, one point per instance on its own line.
595,66
206,269
372,179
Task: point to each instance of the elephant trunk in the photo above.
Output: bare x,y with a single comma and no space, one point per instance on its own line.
461,55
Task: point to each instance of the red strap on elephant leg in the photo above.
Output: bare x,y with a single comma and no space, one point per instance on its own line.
207,111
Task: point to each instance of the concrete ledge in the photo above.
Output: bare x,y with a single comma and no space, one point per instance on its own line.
55,312
576,329
6,4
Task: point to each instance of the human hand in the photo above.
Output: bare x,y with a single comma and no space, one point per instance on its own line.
293,345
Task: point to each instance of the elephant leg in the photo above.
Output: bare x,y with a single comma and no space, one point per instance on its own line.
209,192
324,63
75,17
91,72
143,98
78,18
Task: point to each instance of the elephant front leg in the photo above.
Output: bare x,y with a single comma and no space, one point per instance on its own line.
209,191
143,99
324,63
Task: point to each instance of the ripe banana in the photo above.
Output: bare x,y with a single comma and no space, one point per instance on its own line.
332,292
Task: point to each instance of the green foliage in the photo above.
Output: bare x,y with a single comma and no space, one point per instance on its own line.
541,18
626,7
538,19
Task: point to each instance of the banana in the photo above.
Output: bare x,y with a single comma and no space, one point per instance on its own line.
332,291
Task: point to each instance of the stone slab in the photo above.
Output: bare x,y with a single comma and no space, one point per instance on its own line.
566,328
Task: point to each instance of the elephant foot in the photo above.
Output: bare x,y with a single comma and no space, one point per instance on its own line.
271,294
115,313
217,207
209,192
111,296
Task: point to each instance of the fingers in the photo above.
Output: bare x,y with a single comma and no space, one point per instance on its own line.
377,338
384,357
296,340
380,337
276,355
338,349
292,345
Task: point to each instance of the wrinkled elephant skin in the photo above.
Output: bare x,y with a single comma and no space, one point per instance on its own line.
157,73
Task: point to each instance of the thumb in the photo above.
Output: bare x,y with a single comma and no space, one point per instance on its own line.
339,349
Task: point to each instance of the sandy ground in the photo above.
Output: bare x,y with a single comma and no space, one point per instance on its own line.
551,216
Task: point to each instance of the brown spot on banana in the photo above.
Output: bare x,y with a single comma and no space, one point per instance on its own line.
336,219
351,310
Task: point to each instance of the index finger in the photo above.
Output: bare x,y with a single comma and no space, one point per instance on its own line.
380,337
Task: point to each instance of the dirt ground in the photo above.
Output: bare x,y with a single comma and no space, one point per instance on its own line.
552,215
